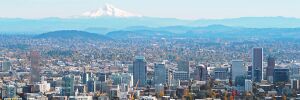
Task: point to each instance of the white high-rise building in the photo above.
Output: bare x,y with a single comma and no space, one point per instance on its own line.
248,85
44,87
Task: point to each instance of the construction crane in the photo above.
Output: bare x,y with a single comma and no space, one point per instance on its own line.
283,97
187,94
134,89
225,95
161,93
213,94
231,97
100,94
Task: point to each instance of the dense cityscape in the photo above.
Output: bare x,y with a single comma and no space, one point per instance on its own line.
148,69
149,50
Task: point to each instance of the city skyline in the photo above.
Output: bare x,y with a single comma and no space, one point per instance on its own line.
149,50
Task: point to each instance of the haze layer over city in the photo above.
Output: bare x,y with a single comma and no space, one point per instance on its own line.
149,50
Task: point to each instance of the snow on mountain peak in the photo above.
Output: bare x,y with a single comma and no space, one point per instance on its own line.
110,10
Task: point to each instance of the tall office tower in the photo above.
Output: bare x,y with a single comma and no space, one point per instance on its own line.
200,73
237,69
257,64
86,76
249,72
35,67
68,86
161,74
270,68
91,85
140,71
101,77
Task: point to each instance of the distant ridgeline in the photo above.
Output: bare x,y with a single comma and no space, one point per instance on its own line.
212,32
72,34
105,24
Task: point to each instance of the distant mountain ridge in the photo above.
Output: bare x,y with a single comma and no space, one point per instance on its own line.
35,26
72,34
212,31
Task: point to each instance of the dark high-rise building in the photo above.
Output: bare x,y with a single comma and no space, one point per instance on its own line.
257,64
281,75
91,85
68,86
270,68
86,76
200,73
35,68
101,77
249,72
140,71
240,80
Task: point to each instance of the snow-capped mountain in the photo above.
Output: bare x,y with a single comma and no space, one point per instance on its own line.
110,10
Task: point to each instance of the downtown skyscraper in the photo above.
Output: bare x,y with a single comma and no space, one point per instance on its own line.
257,64
201,73
270,68
237,69
161,74
35,67
140,71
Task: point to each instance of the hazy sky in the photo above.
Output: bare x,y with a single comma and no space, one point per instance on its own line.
183,9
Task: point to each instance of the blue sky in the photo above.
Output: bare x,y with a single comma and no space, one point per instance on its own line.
183,9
